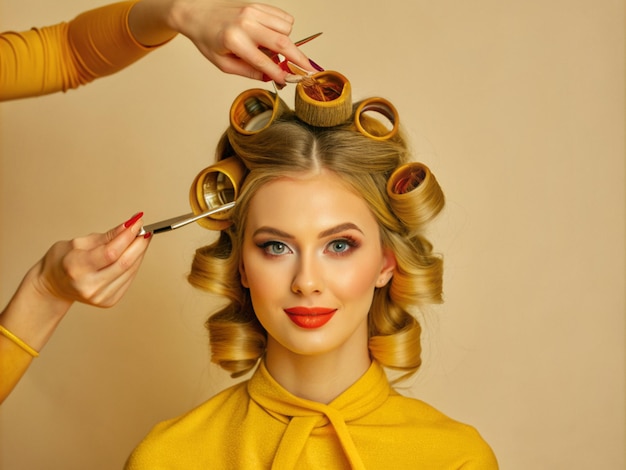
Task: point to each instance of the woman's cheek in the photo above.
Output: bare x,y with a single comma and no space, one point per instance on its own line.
356,278
264,273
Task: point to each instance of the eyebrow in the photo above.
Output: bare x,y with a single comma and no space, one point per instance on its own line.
339,228
325,233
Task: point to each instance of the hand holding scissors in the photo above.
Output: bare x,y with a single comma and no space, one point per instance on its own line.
288,66
236,36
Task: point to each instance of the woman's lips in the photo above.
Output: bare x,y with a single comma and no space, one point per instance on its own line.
310,317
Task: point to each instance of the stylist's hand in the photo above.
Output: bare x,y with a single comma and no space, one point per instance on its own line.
228,33
96,269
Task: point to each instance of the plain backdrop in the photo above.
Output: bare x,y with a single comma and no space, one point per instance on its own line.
518,109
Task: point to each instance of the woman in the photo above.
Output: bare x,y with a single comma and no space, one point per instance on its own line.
324,266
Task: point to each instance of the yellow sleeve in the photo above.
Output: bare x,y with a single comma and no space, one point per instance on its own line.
56,58
14,361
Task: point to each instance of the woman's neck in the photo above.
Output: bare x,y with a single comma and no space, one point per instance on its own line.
320,378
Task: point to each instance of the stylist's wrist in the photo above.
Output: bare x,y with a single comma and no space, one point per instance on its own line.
54,303
152,22
33,313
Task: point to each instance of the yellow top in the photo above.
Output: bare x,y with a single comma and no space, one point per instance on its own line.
257,424
14,360
67,55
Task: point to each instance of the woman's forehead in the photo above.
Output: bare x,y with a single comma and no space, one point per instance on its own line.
308,199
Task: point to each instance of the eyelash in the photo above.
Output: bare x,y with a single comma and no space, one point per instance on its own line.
267,246
350,243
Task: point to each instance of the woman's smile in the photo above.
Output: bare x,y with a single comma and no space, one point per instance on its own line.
310,317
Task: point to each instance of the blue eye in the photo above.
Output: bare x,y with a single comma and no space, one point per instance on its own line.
275,248
342,246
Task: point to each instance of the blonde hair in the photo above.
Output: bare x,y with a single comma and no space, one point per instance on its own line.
366,165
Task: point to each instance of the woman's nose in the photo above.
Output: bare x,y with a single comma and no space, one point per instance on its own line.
308,277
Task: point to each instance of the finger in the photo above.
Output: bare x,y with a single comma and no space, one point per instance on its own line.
117,250
246,48
106,286
236,66
91,241
293,54
115,280
281,22
96,251
271,17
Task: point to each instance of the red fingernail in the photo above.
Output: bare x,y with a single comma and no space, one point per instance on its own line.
133,219
315,66
147,235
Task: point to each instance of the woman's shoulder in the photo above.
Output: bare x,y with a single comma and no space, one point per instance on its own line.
419,412
426,429
205,423
225,402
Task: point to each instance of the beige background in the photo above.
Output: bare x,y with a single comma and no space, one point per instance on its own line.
518,108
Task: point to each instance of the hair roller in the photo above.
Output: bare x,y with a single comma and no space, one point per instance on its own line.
215,186
324,99
382,107
254,110
415,195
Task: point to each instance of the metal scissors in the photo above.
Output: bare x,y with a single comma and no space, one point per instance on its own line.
181,221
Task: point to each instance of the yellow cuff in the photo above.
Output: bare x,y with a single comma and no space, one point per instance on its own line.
18,341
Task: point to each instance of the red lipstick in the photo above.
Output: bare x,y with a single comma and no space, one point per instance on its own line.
310,317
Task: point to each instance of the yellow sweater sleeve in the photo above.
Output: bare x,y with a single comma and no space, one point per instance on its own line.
64,56
13,363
